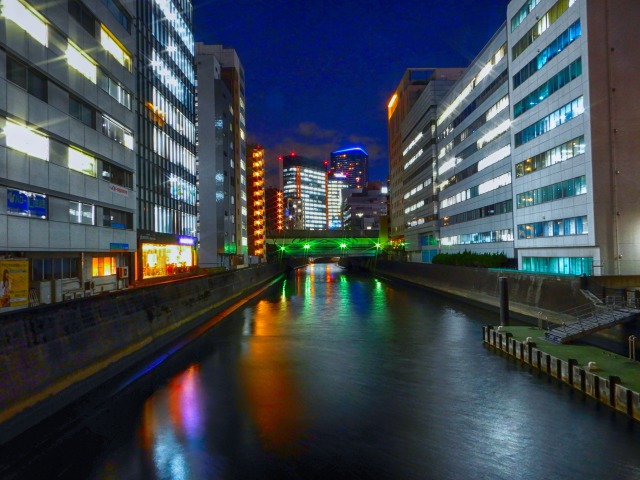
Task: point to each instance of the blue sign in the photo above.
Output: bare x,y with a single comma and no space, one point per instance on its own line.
28,204
118,246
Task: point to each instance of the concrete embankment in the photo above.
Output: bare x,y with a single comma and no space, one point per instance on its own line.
531,296
608,378
50,356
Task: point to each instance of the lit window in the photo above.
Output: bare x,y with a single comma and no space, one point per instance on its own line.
26,140
111,45
103,266
81,162
78,60
27,19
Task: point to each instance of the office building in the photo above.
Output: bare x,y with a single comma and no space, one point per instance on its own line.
418,196
474,161
67,150
363,208
166,147
221,158
352,163
336,183
305,179
412,84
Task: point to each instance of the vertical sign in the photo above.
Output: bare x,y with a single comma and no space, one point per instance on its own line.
14,283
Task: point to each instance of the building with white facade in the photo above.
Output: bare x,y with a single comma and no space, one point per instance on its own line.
418,190
572,78
474,162
67,149
336,183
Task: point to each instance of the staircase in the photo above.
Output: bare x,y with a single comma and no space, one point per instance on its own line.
593,317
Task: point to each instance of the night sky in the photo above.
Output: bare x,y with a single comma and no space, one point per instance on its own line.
319,74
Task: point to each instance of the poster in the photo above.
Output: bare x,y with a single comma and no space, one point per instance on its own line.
14,283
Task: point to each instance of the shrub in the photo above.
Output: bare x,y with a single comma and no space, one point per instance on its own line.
470,259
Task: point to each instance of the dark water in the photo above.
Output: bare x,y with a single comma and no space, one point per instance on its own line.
333,375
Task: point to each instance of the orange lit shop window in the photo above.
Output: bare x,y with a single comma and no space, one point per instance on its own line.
103,266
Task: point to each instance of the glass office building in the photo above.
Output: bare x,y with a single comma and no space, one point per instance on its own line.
166,148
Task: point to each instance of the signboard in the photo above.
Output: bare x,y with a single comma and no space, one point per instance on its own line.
14,283
123,247
119,190
20,202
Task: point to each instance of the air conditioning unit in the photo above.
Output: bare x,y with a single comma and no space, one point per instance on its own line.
123,272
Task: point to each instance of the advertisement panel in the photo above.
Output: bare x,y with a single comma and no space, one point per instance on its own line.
14,286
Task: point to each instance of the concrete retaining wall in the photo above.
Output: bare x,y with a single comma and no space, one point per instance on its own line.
51,355
607,390
548,292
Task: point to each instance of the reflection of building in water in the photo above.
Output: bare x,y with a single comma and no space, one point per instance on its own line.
160,260
273,396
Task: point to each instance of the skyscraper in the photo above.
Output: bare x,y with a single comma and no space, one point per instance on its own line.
336,183
166,145
352,163
305,179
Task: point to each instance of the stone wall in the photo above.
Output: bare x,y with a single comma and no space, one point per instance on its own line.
51,355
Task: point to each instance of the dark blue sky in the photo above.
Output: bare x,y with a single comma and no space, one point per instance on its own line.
319,74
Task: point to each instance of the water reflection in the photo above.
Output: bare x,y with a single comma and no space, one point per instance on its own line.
336,375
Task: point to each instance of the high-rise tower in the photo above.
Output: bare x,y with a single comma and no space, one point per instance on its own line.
353,164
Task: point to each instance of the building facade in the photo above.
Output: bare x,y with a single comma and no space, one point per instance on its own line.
336,183
353,164
474,157
221,160
573,133
256,204
274,210
305,179
166,148
418,190
67,149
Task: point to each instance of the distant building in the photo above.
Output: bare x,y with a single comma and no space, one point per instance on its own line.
305,179
294,213
274,209
353,164
336,183
256,202
364,207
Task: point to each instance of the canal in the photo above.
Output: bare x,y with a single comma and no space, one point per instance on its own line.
329,374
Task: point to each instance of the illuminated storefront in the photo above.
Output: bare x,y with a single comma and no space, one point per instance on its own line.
161,260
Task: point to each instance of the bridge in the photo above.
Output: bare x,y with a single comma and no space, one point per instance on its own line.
325,243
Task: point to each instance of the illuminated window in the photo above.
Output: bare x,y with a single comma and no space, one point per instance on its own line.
81,162
117,132
27,19
103,266
117,219
79,61
26,140
81,213
115,48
